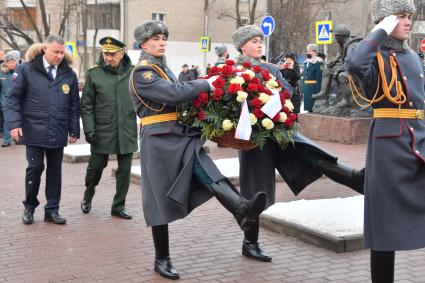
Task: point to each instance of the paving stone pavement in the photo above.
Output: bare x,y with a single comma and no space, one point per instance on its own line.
205,246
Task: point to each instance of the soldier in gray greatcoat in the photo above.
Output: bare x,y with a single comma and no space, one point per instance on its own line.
222,53
394,210
299,164
177,174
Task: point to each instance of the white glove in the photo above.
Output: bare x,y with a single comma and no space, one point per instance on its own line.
210,81
388,24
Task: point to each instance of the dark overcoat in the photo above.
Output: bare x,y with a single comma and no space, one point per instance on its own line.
168,149
311,83
258,166
46,110
107,110
394,214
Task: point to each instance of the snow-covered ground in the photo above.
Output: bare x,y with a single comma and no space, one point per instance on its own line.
337,217
77,150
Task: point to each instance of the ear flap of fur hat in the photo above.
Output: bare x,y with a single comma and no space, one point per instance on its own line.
245,33
380,9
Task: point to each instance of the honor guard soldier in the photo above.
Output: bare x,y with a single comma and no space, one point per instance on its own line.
43,111
391,76
110,123
312,76
177,174
299,164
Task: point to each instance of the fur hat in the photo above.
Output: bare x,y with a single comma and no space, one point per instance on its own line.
148,29
219,50
313,47
380,9
12,55
245,33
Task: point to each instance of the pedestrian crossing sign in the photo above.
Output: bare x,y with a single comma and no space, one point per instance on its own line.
324,32
205,43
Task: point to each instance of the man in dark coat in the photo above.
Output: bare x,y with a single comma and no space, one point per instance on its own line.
186,75
109,122
43,112
394,211
299,164
291,73
177,174
312,76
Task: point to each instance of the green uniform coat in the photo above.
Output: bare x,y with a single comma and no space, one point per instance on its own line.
106,109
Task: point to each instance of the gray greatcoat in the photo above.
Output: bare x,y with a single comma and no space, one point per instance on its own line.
294,164
394,216
167,149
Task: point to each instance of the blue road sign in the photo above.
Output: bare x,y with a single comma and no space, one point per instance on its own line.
267,25
323,32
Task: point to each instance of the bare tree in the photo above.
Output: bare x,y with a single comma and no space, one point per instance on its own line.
240,15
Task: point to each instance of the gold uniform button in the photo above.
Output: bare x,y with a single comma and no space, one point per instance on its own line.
417,151
404,77
411,103
411,129
422,75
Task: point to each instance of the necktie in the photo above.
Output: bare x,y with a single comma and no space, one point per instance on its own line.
50,73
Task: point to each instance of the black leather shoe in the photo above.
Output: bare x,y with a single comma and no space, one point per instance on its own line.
28,216
253,250
54,218
121,213
85,206
5,145
164,267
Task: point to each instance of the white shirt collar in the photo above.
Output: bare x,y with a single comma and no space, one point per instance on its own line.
47,65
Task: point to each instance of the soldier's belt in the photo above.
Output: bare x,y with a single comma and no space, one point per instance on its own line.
310,82
167,117
398,113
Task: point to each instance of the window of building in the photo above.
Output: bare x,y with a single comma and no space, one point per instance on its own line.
103,16
19,18
158,17
420,10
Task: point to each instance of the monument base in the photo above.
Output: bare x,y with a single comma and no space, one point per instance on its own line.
346,130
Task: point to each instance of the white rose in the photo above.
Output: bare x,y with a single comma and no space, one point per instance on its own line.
241,96
264,98
239,67
282,117
250,73
252,119
289,105
267,123
227,125
237,80
271,84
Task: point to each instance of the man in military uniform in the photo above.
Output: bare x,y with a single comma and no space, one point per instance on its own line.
312,76
394,205
222,53
109,122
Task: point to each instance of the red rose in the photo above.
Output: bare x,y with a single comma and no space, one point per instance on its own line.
234,88
252,87
258,113
219,83
288,122
246,65
246,77
261,88
214,70
255,80
293,116
266,75
196,103
256,103
279,84
268,91
256,69
229,62
203,97
217,94
276,118
284,108
285,95
201,115
227,70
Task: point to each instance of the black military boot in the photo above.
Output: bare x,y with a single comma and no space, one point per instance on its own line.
28,216
164,267
245,211
254,251
344,175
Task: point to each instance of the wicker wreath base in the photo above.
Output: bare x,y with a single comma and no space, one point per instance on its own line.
229,140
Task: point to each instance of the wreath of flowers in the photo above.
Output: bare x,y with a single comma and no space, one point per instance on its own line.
218,112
